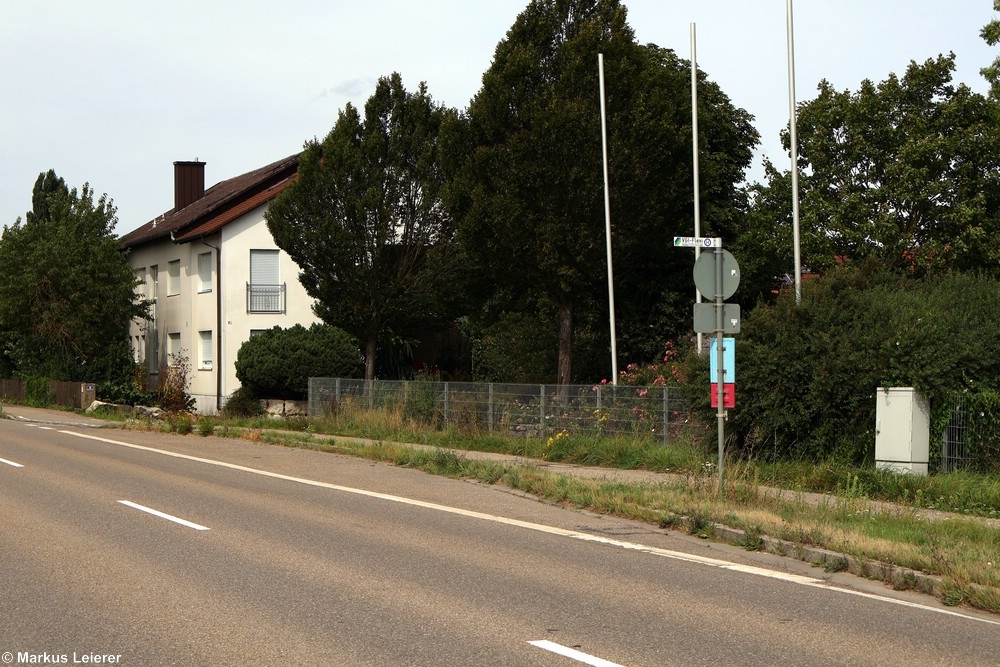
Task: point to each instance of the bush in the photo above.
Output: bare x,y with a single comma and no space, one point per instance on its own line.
242,405
39,391
172,395
279,362
808,373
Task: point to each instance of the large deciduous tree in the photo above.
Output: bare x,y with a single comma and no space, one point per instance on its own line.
66,290
529,193
906,172
364,220
991,34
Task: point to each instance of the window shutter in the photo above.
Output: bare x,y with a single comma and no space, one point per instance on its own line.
263,267
206,349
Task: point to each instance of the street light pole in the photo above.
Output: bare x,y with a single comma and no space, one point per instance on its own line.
795,157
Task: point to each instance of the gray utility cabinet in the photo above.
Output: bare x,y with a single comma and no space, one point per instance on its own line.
902,430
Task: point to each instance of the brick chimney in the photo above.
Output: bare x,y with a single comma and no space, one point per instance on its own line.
189,183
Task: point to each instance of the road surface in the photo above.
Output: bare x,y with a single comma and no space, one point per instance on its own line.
136,548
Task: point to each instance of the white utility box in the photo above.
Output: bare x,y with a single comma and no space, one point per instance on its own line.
902,430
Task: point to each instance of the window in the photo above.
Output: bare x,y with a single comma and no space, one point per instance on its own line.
205,272
174,277
140,278
205,353
173,348
257,332
265,293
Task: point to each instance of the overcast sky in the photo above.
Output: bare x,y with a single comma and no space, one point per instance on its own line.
112,92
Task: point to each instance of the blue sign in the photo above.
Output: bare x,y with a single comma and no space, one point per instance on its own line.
728,361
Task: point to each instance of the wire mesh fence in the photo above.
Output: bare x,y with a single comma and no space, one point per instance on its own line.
512,409
955,454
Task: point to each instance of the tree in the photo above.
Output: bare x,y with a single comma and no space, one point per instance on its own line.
906,172
364,219
66,290
528,193
991,34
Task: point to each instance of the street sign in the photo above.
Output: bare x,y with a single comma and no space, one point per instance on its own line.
697,242
704,318
728,360
728,395
706,274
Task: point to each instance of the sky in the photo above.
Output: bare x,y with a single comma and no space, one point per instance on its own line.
112,92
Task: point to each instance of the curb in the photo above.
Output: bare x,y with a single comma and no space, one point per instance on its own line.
831,561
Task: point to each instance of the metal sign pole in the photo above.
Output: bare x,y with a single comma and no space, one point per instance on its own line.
721,372
717,273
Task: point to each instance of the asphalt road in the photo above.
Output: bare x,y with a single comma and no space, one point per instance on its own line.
147,549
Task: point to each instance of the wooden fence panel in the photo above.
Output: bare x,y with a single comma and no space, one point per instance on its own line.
12,390
67,394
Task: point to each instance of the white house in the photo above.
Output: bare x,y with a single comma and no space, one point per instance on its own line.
215,275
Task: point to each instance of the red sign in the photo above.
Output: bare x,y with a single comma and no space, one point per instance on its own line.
728,395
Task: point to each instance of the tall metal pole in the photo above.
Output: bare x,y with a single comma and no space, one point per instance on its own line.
795,157
694,149
607,225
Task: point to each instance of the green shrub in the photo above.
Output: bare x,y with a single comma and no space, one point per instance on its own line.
420,399
242,405
205,426
279,362
39,391
180,422
807,374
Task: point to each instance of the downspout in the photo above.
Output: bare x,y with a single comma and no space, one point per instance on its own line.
218,318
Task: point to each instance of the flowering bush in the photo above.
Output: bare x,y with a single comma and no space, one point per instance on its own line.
668,372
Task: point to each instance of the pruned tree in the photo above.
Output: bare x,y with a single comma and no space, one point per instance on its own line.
365,222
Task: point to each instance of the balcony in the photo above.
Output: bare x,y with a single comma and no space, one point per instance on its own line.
266,298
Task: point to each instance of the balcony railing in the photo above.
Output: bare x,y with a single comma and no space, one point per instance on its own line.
266,298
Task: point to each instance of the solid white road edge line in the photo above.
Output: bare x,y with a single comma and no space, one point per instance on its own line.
573,654
552,530
163,515
11,463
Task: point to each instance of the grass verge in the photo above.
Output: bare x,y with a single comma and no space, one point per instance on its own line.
960,555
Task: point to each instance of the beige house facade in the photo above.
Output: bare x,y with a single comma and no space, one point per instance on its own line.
215,277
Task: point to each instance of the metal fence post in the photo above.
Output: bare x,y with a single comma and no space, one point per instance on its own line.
541,407
489,406
666,413
446,410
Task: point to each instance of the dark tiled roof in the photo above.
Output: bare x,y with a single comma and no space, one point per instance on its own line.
221,203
